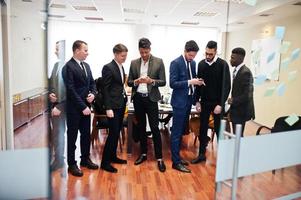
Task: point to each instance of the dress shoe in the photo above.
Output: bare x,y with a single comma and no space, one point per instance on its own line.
161,166
184,162
141,159
119,161
199,159
56,164
108,168
75,171
180,167
88,163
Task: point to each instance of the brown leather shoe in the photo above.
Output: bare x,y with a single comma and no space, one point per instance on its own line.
75,171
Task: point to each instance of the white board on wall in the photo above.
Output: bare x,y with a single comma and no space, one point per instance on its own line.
265,57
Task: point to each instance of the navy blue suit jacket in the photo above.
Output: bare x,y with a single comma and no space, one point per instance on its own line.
78,86
178,81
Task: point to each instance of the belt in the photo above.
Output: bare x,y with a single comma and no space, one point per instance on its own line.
142,94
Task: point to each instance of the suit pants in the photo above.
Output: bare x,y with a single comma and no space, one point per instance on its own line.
75,122
207,108
179,123
234,123
58,133
115,125
143,106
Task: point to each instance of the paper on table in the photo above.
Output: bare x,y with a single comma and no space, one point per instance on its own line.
292,119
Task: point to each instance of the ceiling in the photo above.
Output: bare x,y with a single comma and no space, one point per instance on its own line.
202,13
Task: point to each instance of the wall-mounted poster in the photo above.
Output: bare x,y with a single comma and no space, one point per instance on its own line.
265,58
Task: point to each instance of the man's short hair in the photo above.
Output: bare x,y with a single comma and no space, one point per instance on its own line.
144,43
118,48
191,45
211,45
239,51
77,44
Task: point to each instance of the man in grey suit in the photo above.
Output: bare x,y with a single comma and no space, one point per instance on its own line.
241,101
146,75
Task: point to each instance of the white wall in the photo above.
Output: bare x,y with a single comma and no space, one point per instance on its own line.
268,109
28,47
167,42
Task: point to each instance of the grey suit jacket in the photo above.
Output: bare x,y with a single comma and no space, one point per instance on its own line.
242,107
156,71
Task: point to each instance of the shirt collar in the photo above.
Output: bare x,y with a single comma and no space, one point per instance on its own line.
239,66
78,61
213,61
119,65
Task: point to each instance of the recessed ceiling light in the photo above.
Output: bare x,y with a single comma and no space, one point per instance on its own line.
189,23
205,14
55,5
265,15
94,18
133,10
56,16
89,8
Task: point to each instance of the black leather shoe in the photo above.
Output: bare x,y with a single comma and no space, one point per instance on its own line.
88,163
75,171
161,166
109,168
141,159
184,162
119,161
199,159
180,167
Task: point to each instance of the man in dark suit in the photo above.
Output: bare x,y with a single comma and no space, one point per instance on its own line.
241,101
212,97
57,97
81,90
146,75
113,78
182,81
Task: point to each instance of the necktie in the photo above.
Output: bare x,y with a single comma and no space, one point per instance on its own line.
189,77
234,72
83,68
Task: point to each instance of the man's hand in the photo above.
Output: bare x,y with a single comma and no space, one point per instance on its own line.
198,107
52,98
196,81
90,97
87,111
55,112
148,80
217,109
110,113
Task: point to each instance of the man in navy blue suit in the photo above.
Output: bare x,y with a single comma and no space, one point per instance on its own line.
182,81
81,90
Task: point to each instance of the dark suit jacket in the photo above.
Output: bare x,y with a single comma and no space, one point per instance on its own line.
78,86
242,107
113,87
156,71
178,80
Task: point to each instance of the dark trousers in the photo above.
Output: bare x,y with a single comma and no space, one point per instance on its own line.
243,123
58,133
115,125
82,123
179,123
207,108
143,106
